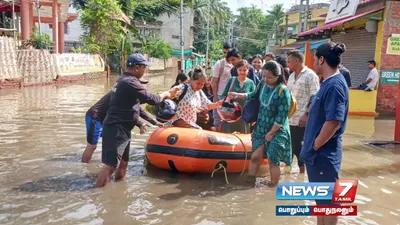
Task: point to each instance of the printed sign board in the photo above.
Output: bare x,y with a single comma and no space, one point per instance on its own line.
74,64
339,9
390,77
393,45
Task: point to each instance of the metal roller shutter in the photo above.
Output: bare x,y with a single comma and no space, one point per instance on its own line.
360,46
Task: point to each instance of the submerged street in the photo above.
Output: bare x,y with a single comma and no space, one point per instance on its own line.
42,137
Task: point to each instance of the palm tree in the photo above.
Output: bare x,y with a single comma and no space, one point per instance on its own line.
275,16
218,13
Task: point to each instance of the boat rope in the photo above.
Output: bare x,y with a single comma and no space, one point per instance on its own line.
221,167
245,154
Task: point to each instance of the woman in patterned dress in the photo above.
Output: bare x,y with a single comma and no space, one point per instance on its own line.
271,136
193,102
240,84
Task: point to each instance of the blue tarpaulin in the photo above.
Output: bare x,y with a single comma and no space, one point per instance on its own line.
314,45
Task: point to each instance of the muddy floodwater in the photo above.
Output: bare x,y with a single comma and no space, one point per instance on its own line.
42,181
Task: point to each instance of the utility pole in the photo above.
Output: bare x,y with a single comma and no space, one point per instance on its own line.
230,32
286,26
37,5
306,14
182,39
301,17
208,31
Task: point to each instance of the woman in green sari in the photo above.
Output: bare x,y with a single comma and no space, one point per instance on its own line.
239,84
271,136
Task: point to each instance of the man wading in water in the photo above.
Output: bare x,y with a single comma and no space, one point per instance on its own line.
94,124
126,96
322,148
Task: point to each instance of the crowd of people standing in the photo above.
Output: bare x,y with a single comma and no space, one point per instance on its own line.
312,133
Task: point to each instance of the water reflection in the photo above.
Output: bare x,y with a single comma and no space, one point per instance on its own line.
42,137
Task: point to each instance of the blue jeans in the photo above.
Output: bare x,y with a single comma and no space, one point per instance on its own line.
217,119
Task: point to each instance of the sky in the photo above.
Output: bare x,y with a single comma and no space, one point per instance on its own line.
265,4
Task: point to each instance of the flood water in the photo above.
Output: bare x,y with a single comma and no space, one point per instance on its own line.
42,181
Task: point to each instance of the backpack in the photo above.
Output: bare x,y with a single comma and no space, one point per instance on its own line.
293,103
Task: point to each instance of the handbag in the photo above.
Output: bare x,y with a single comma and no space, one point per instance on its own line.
252,106
230,89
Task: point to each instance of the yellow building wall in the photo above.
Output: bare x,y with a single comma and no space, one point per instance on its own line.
359,106
315,16
379,42
293,18
289,41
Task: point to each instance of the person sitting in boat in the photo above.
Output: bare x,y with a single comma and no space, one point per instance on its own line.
193,102
271,136
180,79
239,84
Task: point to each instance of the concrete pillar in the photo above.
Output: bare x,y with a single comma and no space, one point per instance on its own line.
397,125
61,37
31,22
25,24
55,26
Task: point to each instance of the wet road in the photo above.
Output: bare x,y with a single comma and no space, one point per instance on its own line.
42,137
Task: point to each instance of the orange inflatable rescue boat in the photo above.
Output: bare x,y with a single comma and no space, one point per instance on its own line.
198,151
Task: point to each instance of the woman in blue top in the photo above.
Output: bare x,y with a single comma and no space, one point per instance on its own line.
271,136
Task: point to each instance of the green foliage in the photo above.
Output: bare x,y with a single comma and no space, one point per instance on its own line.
149,10
219,16
160,49
253,28
101,26
146,10
76,50
155,47
39,41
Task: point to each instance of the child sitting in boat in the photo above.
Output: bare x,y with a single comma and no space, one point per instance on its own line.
193,102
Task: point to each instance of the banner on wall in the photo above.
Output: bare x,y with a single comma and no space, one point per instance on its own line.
75,64
394,45
390,77
156,64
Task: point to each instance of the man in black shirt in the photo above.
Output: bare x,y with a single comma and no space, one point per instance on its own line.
126,96
94,124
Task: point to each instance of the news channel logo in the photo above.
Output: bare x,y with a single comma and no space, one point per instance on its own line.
342,191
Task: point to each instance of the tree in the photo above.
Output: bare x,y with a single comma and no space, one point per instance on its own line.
39,41
253,28
250,28
275,17
102,30
160,49
219,15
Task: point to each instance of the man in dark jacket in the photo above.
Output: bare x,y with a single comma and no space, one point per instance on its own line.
94,124
126,97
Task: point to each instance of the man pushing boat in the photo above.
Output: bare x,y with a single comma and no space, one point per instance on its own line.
94,124
126,96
